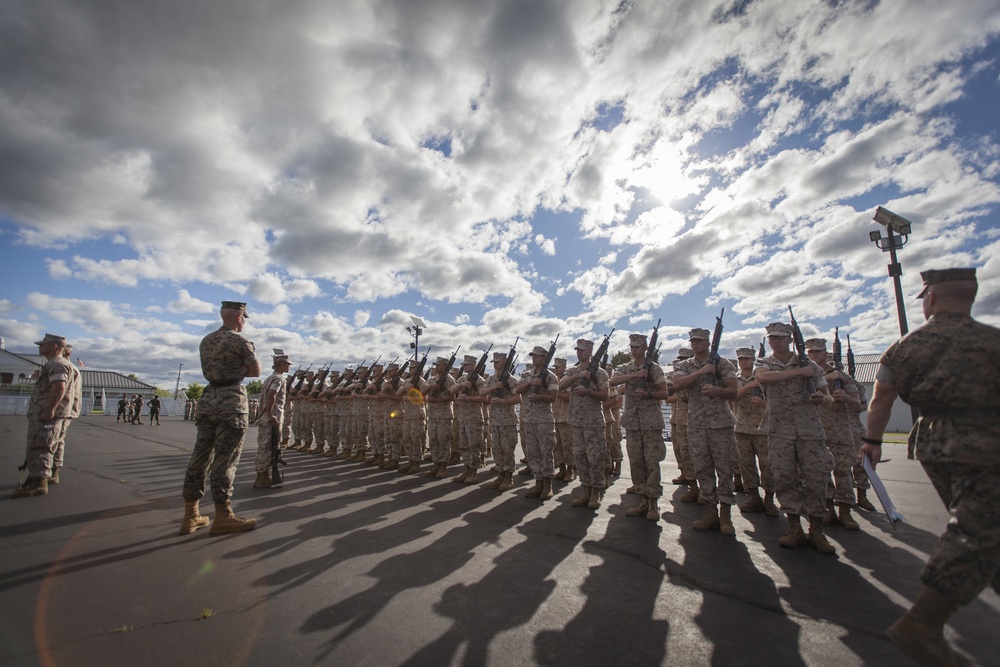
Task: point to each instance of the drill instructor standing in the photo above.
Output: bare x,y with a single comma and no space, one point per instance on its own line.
222,420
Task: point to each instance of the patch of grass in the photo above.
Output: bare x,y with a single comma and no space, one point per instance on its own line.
206,613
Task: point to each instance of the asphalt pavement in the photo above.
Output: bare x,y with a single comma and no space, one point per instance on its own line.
360,566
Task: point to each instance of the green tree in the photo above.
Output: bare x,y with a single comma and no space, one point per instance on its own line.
164,393
620,357
194,391
254,387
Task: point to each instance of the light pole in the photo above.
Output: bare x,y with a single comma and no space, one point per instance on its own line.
415,331
890,243
177,389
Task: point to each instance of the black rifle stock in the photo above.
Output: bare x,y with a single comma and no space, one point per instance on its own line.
595,361
479,370
838,361
447,371
850,357
418,370
508,365
652,352
713,352
276,460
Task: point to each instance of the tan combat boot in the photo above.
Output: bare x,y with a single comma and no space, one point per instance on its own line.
473,476
226,522
507,483
442,471
863,501
546,489
845,518
414,468
263,480
33,486
54,478
461,477
583,499
770,508
404,466
570,474
535,491
596,496
708,520
817,539
495,483
692,492
525,472
831,513
640,509
193,520
920,631
726,519
653,513
561,475
795,537
433,471
679,480
393,464
754,504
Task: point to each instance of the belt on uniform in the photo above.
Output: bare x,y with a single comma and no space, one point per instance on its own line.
960,414
224,383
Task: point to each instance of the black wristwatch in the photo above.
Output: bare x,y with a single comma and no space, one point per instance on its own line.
872,441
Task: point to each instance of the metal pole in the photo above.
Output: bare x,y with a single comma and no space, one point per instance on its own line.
177,389
895,271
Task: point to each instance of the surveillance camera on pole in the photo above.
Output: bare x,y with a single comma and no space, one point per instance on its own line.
893,221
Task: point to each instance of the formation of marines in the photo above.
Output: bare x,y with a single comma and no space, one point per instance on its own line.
777,425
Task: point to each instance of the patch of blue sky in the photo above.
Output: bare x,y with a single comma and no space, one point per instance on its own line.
609,115
440,144
975,113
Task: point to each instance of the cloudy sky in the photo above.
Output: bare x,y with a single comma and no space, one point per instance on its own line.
499,169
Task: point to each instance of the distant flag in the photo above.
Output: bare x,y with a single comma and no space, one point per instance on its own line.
79,362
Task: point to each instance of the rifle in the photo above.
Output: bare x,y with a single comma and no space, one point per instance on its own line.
837,360
595,361
479,370
713,353
418,370
395,380
318,381
508,366
760,350
800,348
381,377
651,353
368,373
850,357
302,378
276,479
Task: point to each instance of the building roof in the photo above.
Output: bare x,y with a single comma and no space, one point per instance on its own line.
865,367
112,382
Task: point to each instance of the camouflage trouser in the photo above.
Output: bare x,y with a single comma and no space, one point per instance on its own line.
860,476
43,440
589,448
57,458
801,470
504,439
439,435
613,436
646,450
414,433
346,431
713,452
262,461
967,557
286,421
841,488
216,452
318,422
539,445
679,440
331,424
753,453
376,432
359,441
563,452
393,436
297,420
471,444
455,449
154,415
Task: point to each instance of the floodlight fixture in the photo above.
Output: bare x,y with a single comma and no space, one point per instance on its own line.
874,236
893,221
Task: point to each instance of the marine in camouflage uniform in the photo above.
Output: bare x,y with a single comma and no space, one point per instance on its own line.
950,369
644,387
51,404
586,419
679,433
711,438
563,453
751,441
331,420
469,415
503,422
538,388
612,430
440,417
800,461
376,416
222,421
412,392
861,481
344,403
272,410
75,390
837,417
